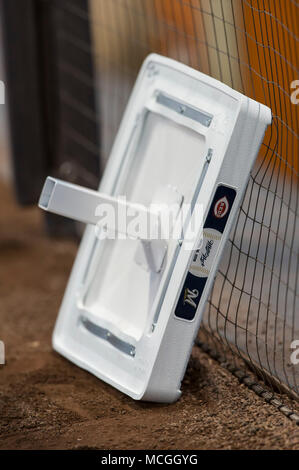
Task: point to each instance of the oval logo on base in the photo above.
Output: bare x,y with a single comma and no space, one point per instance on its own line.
221,207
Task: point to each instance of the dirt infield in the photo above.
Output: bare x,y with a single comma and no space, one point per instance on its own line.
47,403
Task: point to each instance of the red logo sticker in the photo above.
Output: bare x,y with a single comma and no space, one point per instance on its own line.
221,207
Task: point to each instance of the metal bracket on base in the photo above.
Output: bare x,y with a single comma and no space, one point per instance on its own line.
86,205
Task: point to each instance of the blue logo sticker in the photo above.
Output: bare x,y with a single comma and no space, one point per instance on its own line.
203,258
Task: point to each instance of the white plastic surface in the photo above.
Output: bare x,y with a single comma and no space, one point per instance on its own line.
184,130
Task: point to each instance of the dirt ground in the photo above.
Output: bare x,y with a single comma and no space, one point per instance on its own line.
48,403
